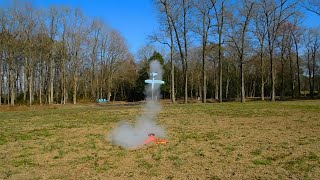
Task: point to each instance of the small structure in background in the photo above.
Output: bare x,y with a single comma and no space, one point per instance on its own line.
102,100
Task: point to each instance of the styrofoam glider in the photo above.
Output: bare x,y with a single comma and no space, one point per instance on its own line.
153,81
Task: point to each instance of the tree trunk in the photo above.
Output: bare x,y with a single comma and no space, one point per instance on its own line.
64,80
313,72
228,82
262,73
291,75
243,96
182,54
75,79
309,72
11,77
273,97
220,49
114,96
173,97
253,93
25,80
204,44
216,82
40,81
30,86
109,87
51,67
185,86
282,80
185,60
298,67
1,75
94,60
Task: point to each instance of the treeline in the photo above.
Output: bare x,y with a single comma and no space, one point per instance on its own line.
58,55
216,49
235,49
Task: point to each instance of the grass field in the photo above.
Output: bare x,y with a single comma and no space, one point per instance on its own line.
255,140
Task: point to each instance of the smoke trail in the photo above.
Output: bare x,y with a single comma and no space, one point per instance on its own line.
133,136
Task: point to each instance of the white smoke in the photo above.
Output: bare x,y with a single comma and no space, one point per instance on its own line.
133,135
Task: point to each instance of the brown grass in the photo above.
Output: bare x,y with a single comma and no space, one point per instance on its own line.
256,140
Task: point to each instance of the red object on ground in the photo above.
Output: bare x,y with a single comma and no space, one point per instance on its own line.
153,138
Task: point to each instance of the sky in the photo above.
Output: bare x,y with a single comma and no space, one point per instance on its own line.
134,19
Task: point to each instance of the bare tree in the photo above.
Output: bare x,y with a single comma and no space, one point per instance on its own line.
1,69
213,58
145,52
282,42
96,33
180,20
168,25
219,10
53,28
313,46
275,12
312,6
10,32
28,21
260,31
117,53
45,54
205,9
239,37
296,35
76,34
1,52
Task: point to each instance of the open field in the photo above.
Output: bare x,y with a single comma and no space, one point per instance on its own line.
255,140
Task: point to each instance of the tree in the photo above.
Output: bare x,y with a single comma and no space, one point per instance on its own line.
1,69
205,9
165,9
76,35
239,37
180,20
117,53
260,31
44,54
9,34
219,10
275,12
53,28
296,34
313,46
282,42
28,23
213,58
94,45
312,6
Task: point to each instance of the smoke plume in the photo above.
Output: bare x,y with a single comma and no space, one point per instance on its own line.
133,135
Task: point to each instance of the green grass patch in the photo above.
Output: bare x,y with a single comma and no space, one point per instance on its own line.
3,140
256,152
200,152
262,161
23,162
144,164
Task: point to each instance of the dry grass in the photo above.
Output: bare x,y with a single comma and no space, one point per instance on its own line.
256,140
